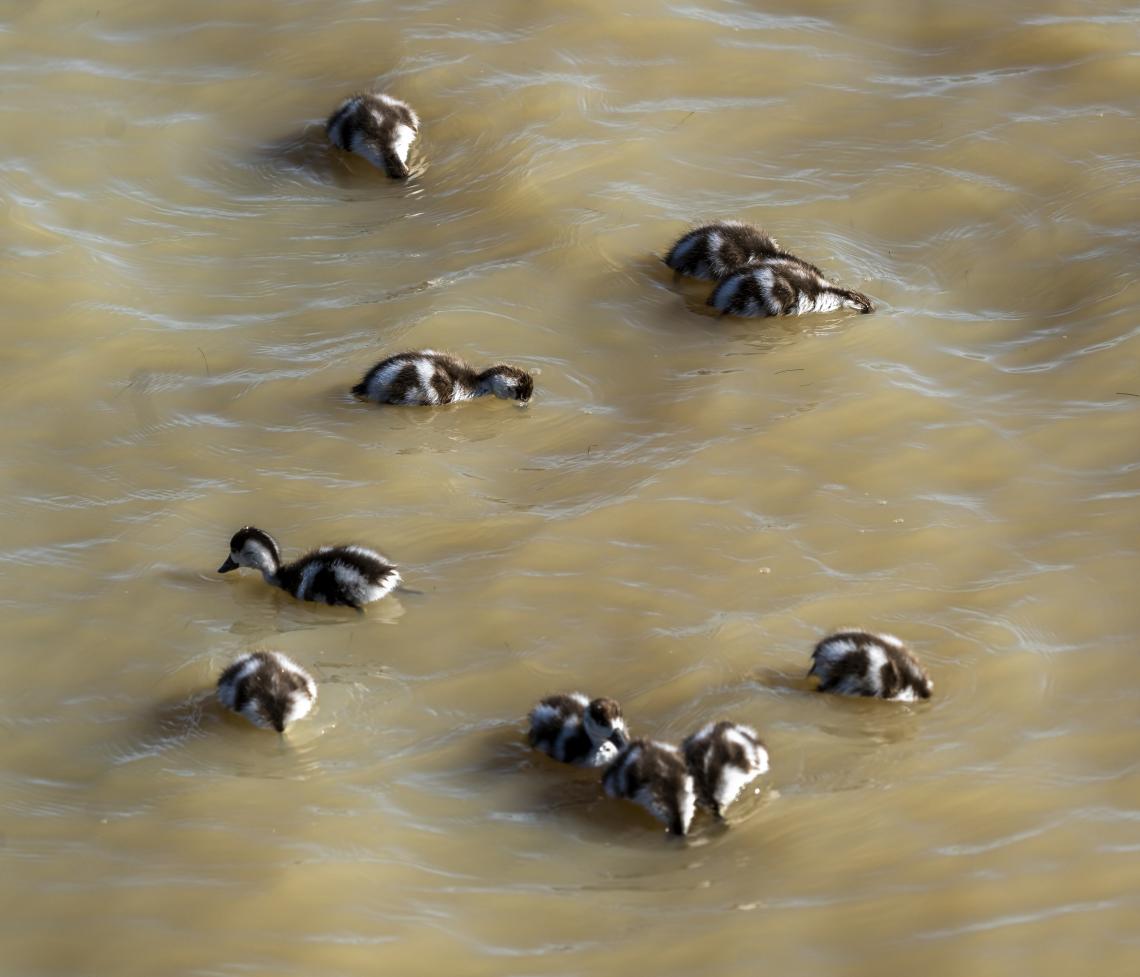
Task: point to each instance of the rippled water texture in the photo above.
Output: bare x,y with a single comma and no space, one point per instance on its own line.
191,282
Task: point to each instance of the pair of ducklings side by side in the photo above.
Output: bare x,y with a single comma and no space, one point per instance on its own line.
754,275
712,766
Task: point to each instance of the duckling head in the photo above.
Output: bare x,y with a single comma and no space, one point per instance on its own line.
858,301
251,547
604,723
508,382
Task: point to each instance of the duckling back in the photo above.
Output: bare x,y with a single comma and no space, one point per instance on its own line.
654,775
714,250
723,758
347,575
268,688
783,285
855,662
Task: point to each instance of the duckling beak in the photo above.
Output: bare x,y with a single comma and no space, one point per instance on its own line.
619,739
228,565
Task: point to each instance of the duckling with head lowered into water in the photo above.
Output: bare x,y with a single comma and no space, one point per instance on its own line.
723,758
782,285
423,378
856,662
654,775
378,127
268,688
715,250
349,575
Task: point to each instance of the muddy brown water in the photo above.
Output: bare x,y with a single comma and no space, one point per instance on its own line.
191,282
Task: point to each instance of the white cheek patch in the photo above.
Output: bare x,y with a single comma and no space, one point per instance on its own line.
299,707
688,804
402,142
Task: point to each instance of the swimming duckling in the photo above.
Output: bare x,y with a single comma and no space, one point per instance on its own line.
378,127
782,285
350,575
572,729
268,688
654,775
715,250
723,758
426,378
854,662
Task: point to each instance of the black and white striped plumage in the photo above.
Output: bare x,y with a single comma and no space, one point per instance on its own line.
723,758
428,378
348,575
378,127
854,662
782,285
715,250
268,688
654,775
573,729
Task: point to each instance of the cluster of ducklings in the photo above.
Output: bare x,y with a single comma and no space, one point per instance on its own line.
710,768
755,277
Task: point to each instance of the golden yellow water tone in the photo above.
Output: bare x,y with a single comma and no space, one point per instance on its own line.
192,282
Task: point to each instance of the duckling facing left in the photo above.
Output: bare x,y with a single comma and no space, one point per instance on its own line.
268,688
573,729
423,378
723,758
378,127
654,775
348,575
783,285
855,662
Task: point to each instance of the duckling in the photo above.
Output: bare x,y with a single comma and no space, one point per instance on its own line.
426,378
350,575
723,758
268,688
782,285
854,662
715,250
378,127
572,729
654,775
